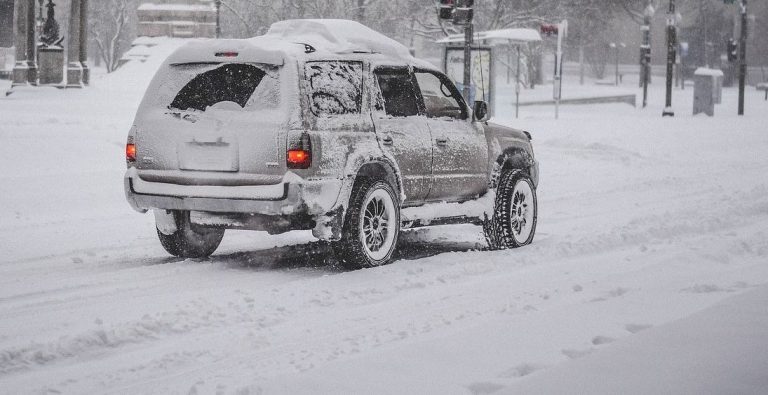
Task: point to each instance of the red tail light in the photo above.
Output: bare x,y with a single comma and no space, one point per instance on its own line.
130,152
299,159
299,153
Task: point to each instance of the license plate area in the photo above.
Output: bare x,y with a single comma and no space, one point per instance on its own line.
216,155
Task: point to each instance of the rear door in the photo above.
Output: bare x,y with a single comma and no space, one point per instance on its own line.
334,98
459,147
213,124
402,130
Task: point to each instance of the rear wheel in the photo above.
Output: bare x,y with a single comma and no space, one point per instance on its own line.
190,240
515,212
371,226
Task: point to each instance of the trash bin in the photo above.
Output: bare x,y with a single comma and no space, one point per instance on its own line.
707,90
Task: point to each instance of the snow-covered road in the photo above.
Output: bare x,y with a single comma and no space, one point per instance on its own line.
643,221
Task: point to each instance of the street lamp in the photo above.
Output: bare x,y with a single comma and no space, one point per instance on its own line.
645,51
743,55
616,47
671,54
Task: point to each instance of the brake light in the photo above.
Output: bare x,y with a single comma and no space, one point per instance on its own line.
299,159
299,153
130,152
228,54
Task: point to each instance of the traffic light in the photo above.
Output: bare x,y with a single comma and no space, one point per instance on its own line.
549,30
460,12
732,47
445,10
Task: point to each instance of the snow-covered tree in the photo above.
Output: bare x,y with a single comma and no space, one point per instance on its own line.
112,28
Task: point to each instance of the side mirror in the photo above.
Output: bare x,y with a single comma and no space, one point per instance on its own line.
481,111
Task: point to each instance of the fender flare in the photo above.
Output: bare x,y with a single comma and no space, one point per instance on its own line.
329,227
511,158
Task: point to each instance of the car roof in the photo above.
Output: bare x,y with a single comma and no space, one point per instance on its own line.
301,39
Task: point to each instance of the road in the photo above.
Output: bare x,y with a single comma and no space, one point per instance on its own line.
643,221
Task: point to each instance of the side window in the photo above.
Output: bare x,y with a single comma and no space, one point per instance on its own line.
334,87
398,92
441,99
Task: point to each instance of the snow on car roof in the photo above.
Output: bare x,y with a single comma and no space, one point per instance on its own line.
338,36
258,49
287,39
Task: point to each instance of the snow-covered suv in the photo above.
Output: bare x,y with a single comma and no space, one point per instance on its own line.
323,125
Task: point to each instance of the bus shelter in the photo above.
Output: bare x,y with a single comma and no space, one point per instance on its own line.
482,72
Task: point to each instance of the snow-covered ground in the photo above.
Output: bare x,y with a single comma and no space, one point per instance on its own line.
648,273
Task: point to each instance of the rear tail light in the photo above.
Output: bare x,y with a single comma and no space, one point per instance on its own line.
299,153
130,151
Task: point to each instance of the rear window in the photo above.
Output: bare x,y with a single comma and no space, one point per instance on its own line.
335,88
197,87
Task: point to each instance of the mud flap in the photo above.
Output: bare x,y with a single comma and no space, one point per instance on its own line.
165,222
329,225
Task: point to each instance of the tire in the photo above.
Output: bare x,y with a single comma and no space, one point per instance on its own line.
371,226
515,212
189,240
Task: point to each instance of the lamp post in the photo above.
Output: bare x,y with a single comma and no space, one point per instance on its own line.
671,54
743,56
616,47
645,51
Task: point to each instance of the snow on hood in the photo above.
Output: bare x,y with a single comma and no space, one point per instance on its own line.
337,36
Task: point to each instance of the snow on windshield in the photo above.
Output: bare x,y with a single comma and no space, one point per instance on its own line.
228,83
197,87
335,88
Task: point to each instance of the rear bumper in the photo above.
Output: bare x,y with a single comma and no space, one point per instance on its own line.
291,196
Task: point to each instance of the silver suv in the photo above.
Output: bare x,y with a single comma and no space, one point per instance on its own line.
325,126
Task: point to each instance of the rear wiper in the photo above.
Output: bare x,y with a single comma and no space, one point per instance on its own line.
183,115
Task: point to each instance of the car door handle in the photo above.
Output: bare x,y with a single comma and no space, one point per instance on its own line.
441,141
388,140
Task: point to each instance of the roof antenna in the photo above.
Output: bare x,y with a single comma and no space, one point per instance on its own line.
309,49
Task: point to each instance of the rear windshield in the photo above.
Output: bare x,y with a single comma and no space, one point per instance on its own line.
199,86
232,82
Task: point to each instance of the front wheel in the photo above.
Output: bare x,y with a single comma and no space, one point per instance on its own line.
515,212
189,240
371,226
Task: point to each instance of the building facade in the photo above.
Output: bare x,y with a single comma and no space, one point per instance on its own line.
177,18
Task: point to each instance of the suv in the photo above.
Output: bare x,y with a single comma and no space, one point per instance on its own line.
321,125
